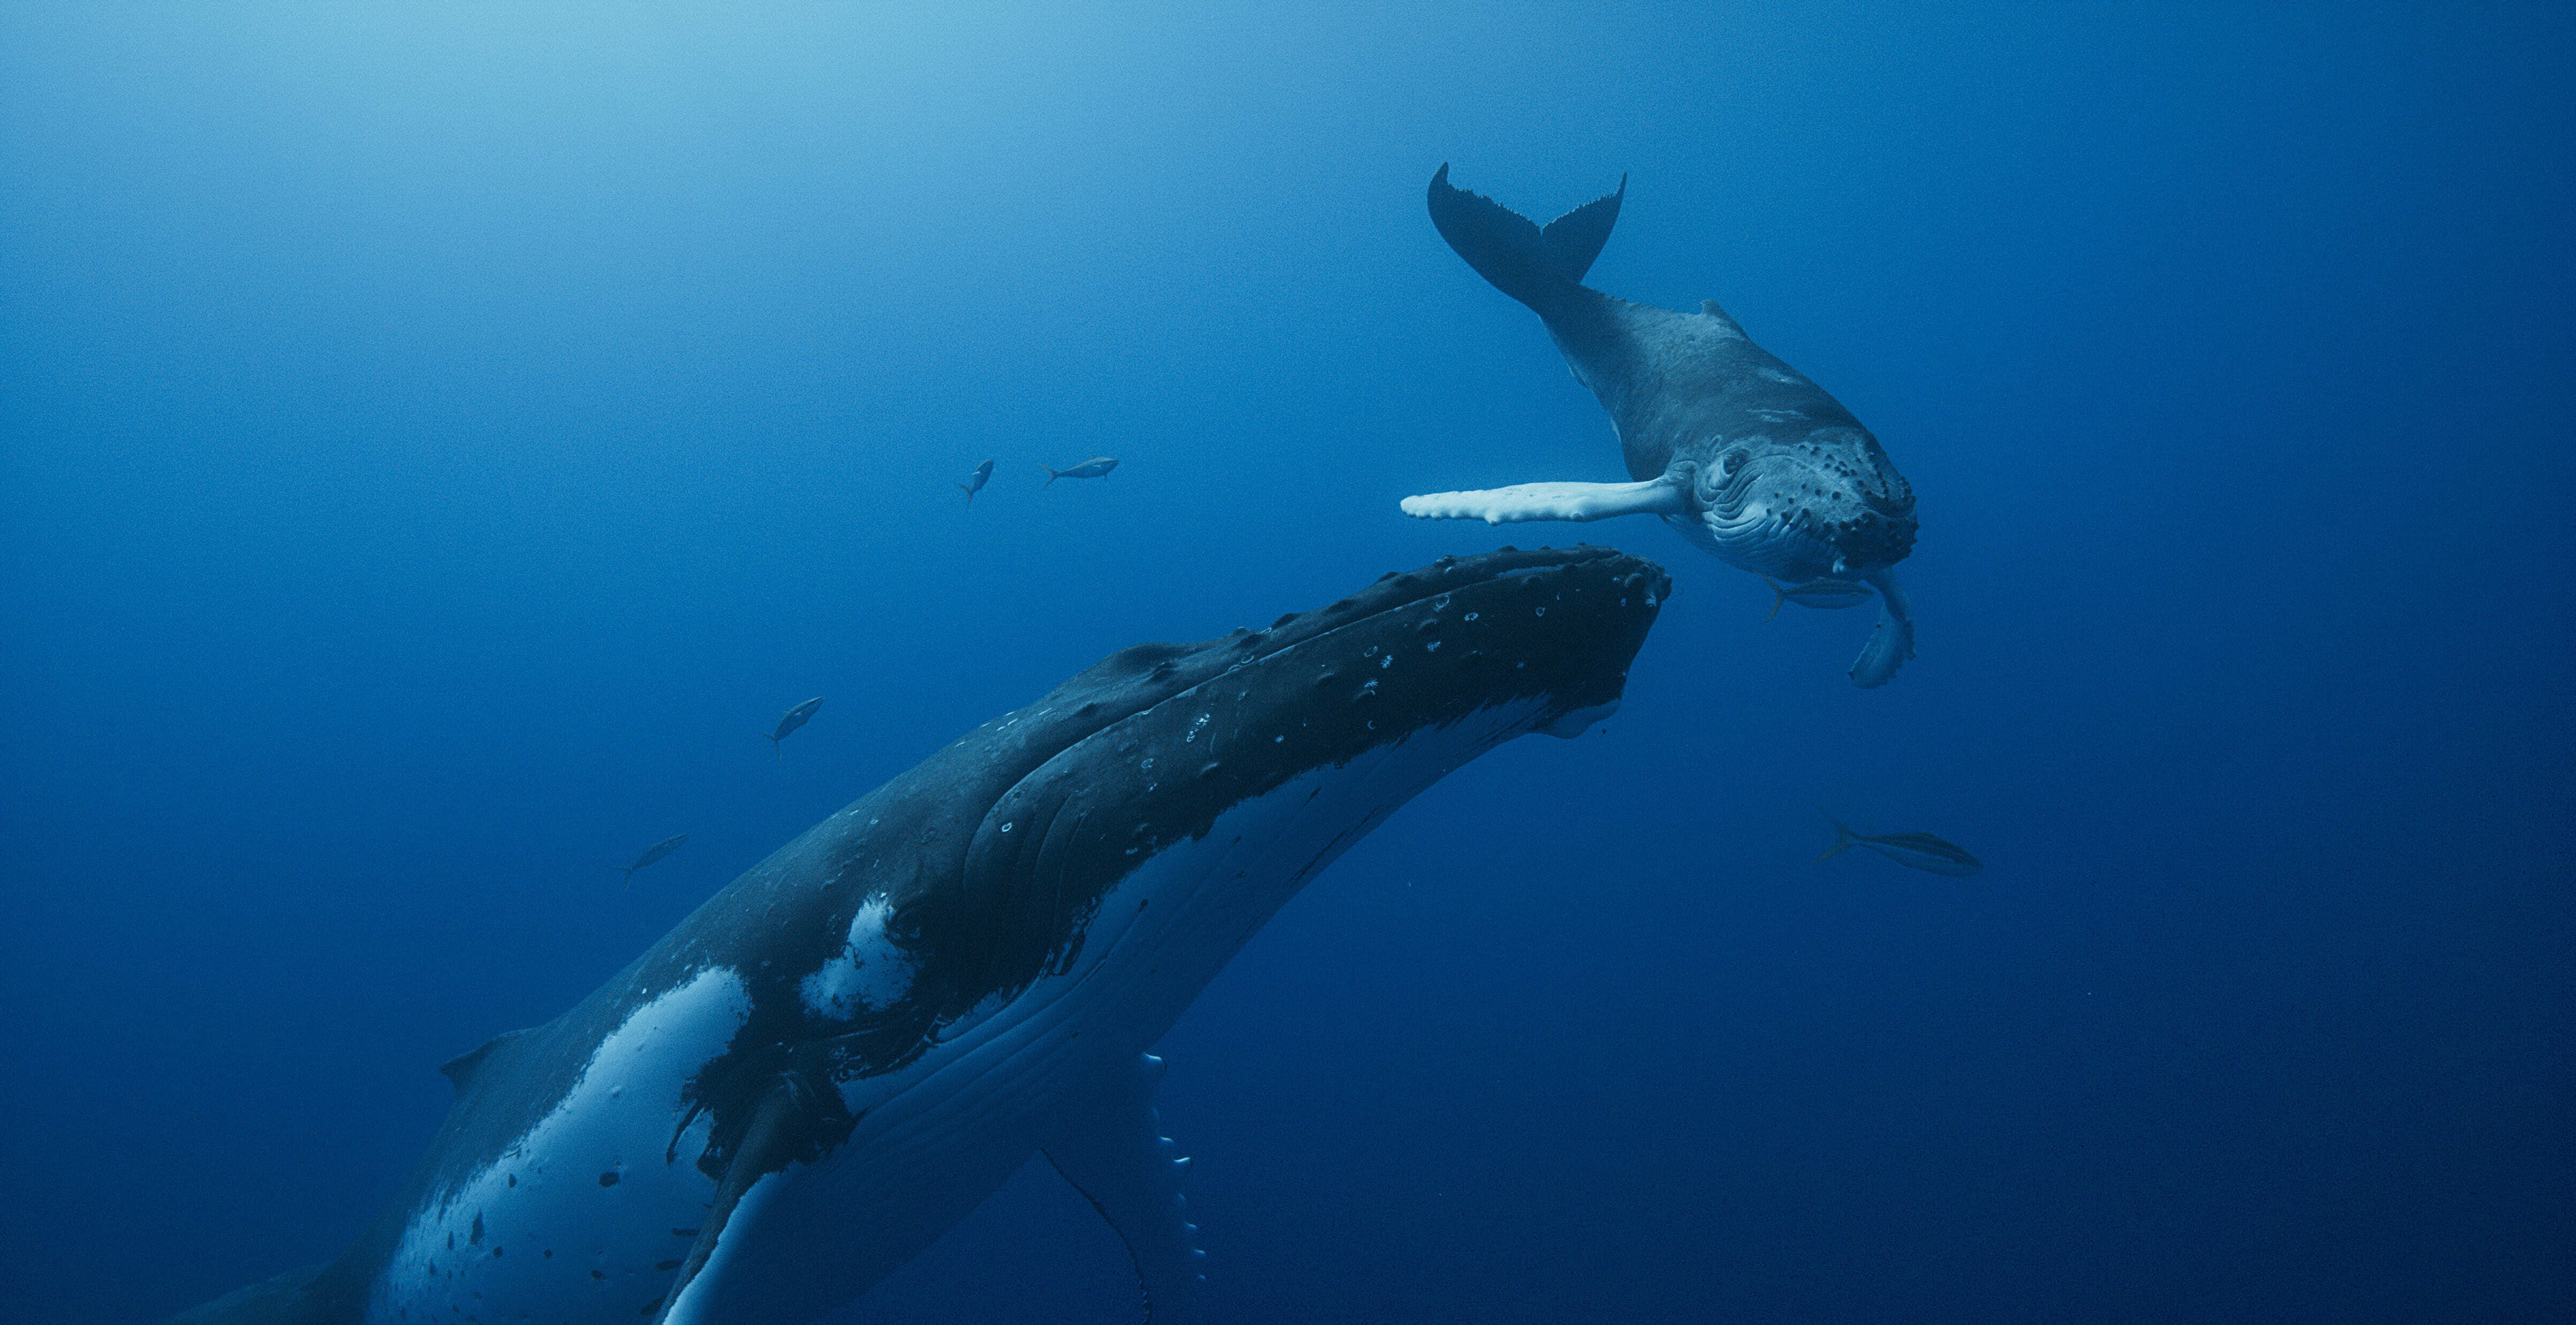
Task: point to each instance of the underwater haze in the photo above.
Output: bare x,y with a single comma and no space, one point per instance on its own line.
438,442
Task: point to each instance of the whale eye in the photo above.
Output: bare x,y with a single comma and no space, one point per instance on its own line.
1732,461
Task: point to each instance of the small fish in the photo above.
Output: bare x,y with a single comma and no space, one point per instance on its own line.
652,853
789,721
1096,467
1817,593
1920,851
983,475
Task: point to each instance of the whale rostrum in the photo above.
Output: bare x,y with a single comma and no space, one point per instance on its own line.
844,1051
1752,462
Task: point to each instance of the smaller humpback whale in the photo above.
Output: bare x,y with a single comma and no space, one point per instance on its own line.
840,1055
794,718
652,853
975,482
1096,467
1752,462
1920,851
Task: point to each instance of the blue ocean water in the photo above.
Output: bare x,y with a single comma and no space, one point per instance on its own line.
439,441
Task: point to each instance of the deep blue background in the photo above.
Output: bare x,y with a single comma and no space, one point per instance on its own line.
435,445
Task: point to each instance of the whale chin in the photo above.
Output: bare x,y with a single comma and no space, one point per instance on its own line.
1767,542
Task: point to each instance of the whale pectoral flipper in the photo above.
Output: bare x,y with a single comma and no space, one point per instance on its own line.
1553,501
765,1143
1116,1155
1891,642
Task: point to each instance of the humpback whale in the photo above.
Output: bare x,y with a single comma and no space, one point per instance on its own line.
840,1054
1752,462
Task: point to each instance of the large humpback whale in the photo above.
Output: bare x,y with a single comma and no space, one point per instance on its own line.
1748,459
845,1050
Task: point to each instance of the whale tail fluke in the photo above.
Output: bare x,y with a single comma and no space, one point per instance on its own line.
1534,265
970,493
1053,474
1843,838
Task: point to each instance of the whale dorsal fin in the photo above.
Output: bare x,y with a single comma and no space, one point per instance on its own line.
461,1068
1116,1155
1709,308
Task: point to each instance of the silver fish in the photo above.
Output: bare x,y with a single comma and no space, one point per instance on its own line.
791,720
1096,467
1920,851
652,853
983,475
1817,593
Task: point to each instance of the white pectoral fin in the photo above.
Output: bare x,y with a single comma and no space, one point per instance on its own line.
1116,1155
1553,501
1891,642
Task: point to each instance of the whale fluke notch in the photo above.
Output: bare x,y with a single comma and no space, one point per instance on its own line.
1536,266
1577,237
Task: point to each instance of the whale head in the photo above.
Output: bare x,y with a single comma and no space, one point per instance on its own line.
1824,502
984,870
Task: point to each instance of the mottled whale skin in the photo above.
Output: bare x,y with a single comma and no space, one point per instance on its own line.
848,1048
1752,462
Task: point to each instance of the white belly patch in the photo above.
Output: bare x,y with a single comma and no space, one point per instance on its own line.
582,1218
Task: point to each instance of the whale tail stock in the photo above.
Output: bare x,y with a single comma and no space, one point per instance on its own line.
1535,265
